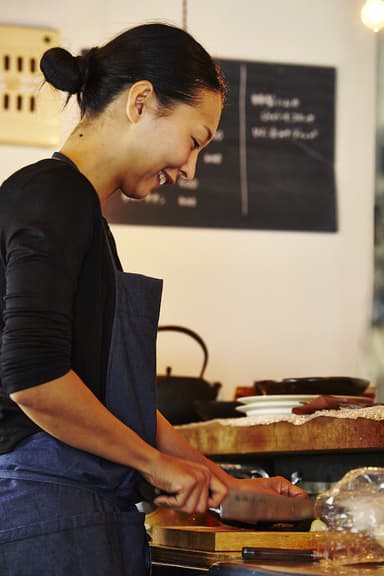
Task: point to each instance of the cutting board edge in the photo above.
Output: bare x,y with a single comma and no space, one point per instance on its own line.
210,539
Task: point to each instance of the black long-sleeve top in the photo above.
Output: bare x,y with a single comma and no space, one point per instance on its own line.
56,286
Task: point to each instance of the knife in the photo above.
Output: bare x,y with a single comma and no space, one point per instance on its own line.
250,507
279,554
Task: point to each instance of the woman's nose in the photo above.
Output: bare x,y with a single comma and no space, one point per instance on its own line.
188,169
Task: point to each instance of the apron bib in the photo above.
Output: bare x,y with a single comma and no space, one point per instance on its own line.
65,511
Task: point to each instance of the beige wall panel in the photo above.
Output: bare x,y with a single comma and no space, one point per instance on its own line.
29,111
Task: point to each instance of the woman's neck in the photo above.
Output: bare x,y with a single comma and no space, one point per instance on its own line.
87,147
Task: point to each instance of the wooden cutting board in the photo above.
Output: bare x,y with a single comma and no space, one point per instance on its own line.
190,558
220,539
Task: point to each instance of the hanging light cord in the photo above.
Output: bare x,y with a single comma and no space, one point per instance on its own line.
184,13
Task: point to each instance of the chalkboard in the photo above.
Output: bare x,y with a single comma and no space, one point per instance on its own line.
270,165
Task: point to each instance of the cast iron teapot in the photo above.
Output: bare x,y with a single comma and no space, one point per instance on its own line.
176,394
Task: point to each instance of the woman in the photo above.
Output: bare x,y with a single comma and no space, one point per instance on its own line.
78,422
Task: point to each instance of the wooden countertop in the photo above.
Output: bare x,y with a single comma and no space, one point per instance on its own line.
323,433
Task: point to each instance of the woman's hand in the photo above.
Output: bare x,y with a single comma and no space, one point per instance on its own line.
274,485
188,486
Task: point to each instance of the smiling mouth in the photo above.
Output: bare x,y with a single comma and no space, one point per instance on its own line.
164,178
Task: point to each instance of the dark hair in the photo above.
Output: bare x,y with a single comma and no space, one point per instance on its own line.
168,57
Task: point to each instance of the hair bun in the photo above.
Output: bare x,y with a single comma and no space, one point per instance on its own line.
62,70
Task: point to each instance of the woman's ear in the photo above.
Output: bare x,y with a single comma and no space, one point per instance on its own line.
139,96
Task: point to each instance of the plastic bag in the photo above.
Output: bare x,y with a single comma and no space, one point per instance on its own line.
353,511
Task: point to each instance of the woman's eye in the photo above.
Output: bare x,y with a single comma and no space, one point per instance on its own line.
196,144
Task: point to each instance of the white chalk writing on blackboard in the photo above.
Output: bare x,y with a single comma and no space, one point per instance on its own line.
275,110
288,117
216,158
275,133
273,101
219,135
187,201
192,184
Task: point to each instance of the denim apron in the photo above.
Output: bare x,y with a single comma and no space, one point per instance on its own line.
67,512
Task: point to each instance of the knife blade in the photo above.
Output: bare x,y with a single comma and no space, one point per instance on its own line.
250,507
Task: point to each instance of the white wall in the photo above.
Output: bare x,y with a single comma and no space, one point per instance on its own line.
268,304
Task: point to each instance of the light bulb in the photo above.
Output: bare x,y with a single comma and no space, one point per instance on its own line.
372,14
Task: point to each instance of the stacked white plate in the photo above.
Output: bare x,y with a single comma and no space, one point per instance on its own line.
273,404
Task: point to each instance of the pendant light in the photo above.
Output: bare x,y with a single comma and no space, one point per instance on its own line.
372,14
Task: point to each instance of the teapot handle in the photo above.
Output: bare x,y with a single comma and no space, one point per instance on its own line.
194,335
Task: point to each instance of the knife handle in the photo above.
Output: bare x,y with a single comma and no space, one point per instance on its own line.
251,553
148,492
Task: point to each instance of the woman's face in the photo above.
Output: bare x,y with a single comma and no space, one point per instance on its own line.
164,147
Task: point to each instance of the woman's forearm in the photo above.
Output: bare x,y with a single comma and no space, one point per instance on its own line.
68,410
